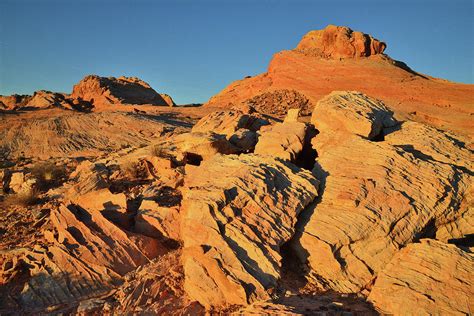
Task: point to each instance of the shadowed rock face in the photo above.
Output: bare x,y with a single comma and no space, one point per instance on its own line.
340,42
102,91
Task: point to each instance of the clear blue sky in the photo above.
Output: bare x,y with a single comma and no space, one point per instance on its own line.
193,49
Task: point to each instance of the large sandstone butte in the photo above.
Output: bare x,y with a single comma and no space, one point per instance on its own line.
92,91
337,58
102,91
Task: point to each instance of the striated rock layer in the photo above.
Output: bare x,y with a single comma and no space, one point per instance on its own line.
340,42
426,278
236,213
376,196
337,58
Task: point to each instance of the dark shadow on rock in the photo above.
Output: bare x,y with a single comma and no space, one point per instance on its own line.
405,67
169,118
466,241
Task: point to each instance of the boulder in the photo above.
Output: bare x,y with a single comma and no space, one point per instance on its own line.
340,42
376,197
237,211
244,139
17,180
426,278
157,221
292,115
203,145
282,140
352,112
228,122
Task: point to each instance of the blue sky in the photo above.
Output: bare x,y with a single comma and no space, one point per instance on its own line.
193,49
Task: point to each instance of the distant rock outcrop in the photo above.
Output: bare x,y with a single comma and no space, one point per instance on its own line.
10,102
92,91
340,42
103,91
40,100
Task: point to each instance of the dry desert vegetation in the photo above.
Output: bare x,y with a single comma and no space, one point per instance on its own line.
339,182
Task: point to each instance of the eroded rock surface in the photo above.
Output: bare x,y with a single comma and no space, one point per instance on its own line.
376,197
199,146
429,277
228,122
340,42
282,140
82,254
237,212
77,134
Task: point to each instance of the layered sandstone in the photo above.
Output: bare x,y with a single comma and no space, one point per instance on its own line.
347,60
236,213
39,100
340,42
377,196
103,91
429,277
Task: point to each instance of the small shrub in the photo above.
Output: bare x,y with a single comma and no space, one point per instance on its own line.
159,151
133,170
23,198
48,175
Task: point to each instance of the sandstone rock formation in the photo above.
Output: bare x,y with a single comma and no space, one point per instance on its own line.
237,212
429,277
89,92
436,102
41,100
102,91
42,136
376,196
282,140
10,102
157,221
82,254
352,113
340,42
228,122
199,146
367,209
238,125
